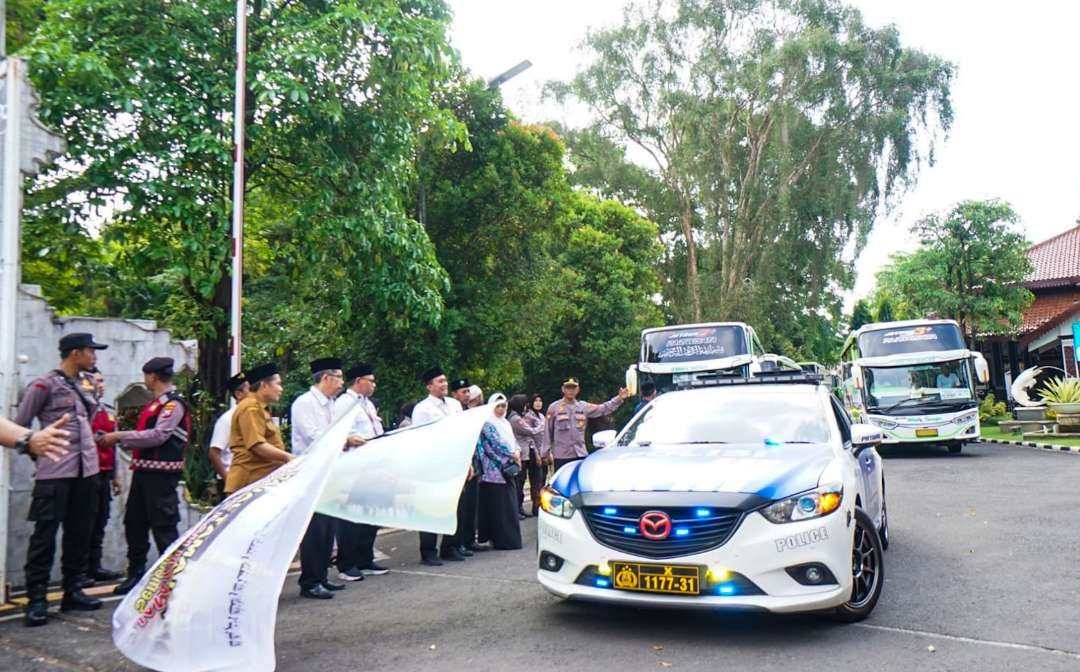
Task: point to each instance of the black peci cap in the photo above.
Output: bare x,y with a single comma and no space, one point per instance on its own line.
431,374
261,372
162,365
80,340
236,382
325,364
459,384
359,371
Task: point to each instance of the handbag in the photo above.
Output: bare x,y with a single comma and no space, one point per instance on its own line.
510,471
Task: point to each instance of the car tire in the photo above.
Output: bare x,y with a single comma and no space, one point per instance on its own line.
955,448
868,557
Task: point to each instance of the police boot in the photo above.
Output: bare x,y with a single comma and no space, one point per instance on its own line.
102,574
84,581
76,600
37,611
130,582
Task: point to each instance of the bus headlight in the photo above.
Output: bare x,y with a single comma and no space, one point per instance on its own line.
883,423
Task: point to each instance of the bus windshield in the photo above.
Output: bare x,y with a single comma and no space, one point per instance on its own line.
693,344
907,340
900,389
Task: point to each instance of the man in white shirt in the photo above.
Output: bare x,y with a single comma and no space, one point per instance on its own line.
436,406
220,454
312,414
356,541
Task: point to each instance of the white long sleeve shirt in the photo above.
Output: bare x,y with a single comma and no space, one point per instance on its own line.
367,425
312,414
220,438
433,408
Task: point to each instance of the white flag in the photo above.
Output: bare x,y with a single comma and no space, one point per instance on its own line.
210,602
409,479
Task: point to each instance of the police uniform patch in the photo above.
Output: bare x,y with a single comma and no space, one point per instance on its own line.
168,410
86,384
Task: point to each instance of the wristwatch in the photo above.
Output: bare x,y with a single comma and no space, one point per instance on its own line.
23,444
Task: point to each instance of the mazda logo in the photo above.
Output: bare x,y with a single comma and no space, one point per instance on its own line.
655,525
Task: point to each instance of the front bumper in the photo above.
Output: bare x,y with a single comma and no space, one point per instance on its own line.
759,550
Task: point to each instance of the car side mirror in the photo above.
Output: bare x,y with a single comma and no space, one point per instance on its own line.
865,436
604,438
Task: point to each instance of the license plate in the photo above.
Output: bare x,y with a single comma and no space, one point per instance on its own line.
648,578
927,431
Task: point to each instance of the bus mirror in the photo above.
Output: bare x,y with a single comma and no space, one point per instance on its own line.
856,375
982,369
632,381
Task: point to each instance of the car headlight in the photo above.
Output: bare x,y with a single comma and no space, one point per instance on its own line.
884,424
813,504
555,504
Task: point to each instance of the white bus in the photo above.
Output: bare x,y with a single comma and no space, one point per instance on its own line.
915,380
676,356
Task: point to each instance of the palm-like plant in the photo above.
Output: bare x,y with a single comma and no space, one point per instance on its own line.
1062,391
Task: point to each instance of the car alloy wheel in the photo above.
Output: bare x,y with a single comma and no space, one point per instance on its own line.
867,570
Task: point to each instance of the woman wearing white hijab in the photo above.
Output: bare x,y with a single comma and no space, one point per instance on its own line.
500,463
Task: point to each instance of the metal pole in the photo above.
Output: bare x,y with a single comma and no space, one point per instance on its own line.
238,187
9,282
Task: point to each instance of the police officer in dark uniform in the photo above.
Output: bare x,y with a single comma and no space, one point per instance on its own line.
158,442
65,490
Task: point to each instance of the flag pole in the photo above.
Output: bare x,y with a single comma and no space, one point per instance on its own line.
238,189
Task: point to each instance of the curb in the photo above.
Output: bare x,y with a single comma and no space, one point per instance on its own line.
1032,444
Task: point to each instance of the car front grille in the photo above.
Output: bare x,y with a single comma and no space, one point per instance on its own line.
693,529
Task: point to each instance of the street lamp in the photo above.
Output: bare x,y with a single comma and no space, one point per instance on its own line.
498,80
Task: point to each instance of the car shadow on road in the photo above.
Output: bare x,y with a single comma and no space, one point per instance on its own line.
660,624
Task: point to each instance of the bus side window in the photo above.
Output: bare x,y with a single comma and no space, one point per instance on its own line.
842,420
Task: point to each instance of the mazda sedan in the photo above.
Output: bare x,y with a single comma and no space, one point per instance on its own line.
759,495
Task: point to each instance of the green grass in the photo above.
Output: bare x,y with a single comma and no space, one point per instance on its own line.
991,433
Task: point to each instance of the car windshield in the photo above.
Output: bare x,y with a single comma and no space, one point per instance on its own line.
733,415
908,387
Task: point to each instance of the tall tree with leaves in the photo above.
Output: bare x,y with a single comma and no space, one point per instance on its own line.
777,128
968,267
337,95
860,314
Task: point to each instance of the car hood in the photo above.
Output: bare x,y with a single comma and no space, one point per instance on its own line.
771,472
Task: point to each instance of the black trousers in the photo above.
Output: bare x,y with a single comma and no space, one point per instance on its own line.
104,502
152,509
72,503
533,470
560,461
466,515
315,550
355,545
499,515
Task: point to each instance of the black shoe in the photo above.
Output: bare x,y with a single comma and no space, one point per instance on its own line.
353,574
453,555
77,600
464,551
100,574
125,586
478,548
37,613
333,587
521,515
318,592
431,561
83,582
374,569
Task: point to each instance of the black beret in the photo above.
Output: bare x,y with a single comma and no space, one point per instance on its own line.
358,371
261,372
325,364
80,340
459,384
236,382
163,365
431,374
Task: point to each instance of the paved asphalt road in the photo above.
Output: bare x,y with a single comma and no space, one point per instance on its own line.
982,575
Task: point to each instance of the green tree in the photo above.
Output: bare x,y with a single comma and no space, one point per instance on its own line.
860,314
968,267
607,292
884,311
337,94
778,130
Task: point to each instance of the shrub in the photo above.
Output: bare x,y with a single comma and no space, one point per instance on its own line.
991,408
1062,391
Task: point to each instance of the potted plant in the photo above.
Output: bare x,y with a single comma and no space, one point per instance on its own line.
1063,396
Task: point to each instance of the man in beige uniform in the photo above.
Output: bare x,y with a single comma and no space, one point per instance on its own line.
566,420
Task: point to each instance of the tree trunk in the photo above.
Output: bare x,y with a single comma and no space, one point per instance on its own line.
693,285
214,349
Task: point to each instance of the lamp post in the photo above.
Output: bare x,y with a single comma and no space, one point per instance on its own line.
500,79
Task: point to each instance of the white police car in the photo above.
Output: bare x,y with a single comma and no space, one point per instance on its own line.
760,495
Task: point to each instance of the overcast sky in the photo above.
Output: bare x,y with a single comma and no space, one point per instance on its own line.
1016,134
